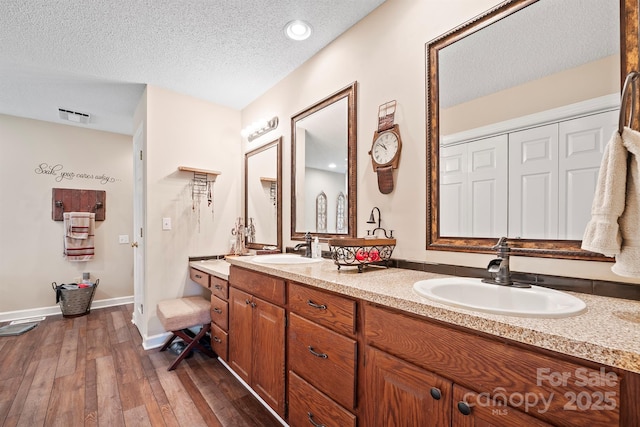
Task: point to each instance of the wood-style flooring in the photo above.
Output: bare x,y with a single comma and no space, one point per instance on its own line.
93,371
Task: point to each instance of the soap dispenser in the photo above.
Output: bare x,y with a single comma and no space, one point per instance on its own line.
315,248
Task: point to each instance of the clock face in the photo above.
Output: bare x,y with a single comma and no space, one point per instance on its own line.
385,147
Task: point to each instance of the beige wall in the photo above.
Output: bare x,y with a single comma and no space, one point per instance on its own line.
30,241
385,54
184,131
592,80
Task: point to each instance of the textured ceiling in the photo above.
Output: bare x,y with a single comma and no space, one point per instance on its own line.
96,56
544,38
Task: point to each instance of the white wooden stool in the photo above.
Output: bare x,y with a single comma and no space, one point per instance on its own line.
177,315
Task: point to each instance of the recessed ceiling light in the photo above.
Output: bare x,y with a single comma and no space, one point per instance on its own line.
297,30
332,165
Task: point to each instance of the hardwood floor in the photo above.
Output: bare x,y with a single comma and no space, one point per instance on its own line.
93,371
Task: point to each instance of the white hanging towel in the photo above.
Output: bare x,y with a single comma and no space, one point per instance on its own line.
79,237
614,228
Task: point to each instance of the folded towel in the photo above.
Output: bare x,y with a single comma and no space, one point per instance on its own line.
79,249
602,234
76,224
615,212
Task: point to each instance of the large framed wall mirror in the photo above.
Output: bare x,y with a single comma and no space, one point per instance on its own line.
323,167
521,103
263,196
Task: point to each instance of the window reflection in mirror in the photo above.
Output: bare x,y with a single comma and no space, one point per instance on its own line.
323,166
263,196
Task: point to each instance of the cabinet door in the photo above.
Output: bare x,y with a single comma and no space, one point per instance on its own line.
533,183
469,411
401,394
240,333
268,353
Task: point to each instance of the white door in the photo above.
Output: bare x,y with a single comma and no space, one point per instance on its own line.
138,230
453,191
533,183
487,186
581,147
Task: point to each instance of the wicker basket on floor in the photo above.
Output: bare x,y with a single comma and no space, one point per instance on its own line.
75,302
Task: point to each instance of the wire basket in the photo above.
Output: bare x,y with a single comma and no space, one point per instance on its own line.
75,302
361,252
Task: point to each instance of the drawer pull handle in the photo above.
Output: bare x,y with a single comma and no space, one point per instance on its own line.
198,276
316,354
435,393
218,340
464,408
315,424
314,305
218,287
217,310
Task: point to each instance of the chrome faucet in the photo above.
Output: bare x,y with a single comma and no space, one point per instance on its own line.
306,245
500,266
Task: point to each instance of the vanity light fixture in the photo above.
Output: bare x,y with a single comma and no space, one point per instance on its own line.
297,30
259,128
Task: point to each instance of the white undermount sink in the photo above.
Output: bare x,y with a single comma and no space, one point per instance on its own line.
284,259
473,294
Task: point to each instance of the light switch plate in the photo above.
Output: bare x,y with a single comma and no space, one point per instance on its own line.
166,223
123,238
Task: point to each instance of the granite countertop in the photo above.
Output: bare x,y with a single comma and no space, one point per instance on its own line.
607,333
215,267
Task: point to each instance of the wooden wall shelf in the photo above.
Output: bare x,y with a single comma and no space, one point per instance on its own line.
197,170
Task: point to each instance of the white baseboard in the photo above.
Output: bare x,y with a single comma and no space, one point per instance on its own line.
154,341
8,316
248,387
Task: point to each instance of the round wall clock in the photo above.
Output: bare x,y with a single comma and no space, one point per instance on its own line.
386,147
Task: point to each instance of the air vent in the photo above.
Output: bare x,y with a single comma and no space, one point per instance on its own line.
74,116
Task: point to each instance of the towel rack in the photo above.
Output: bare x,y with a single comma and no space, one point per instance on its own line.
74,200
631,79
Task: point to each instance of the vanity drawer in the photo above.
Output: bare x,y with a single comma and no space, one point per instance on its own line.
199,277
220,312
324,358
332,311
309,406
261,285
220,342
219,287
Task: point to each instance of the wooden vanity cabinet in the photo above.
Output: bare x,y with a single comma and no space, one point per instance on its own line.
219,310
401,347
322,358
257,334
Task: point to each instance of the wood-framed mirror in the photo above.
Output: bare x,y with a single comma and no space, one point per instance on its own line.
323,167
263,196
482,107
